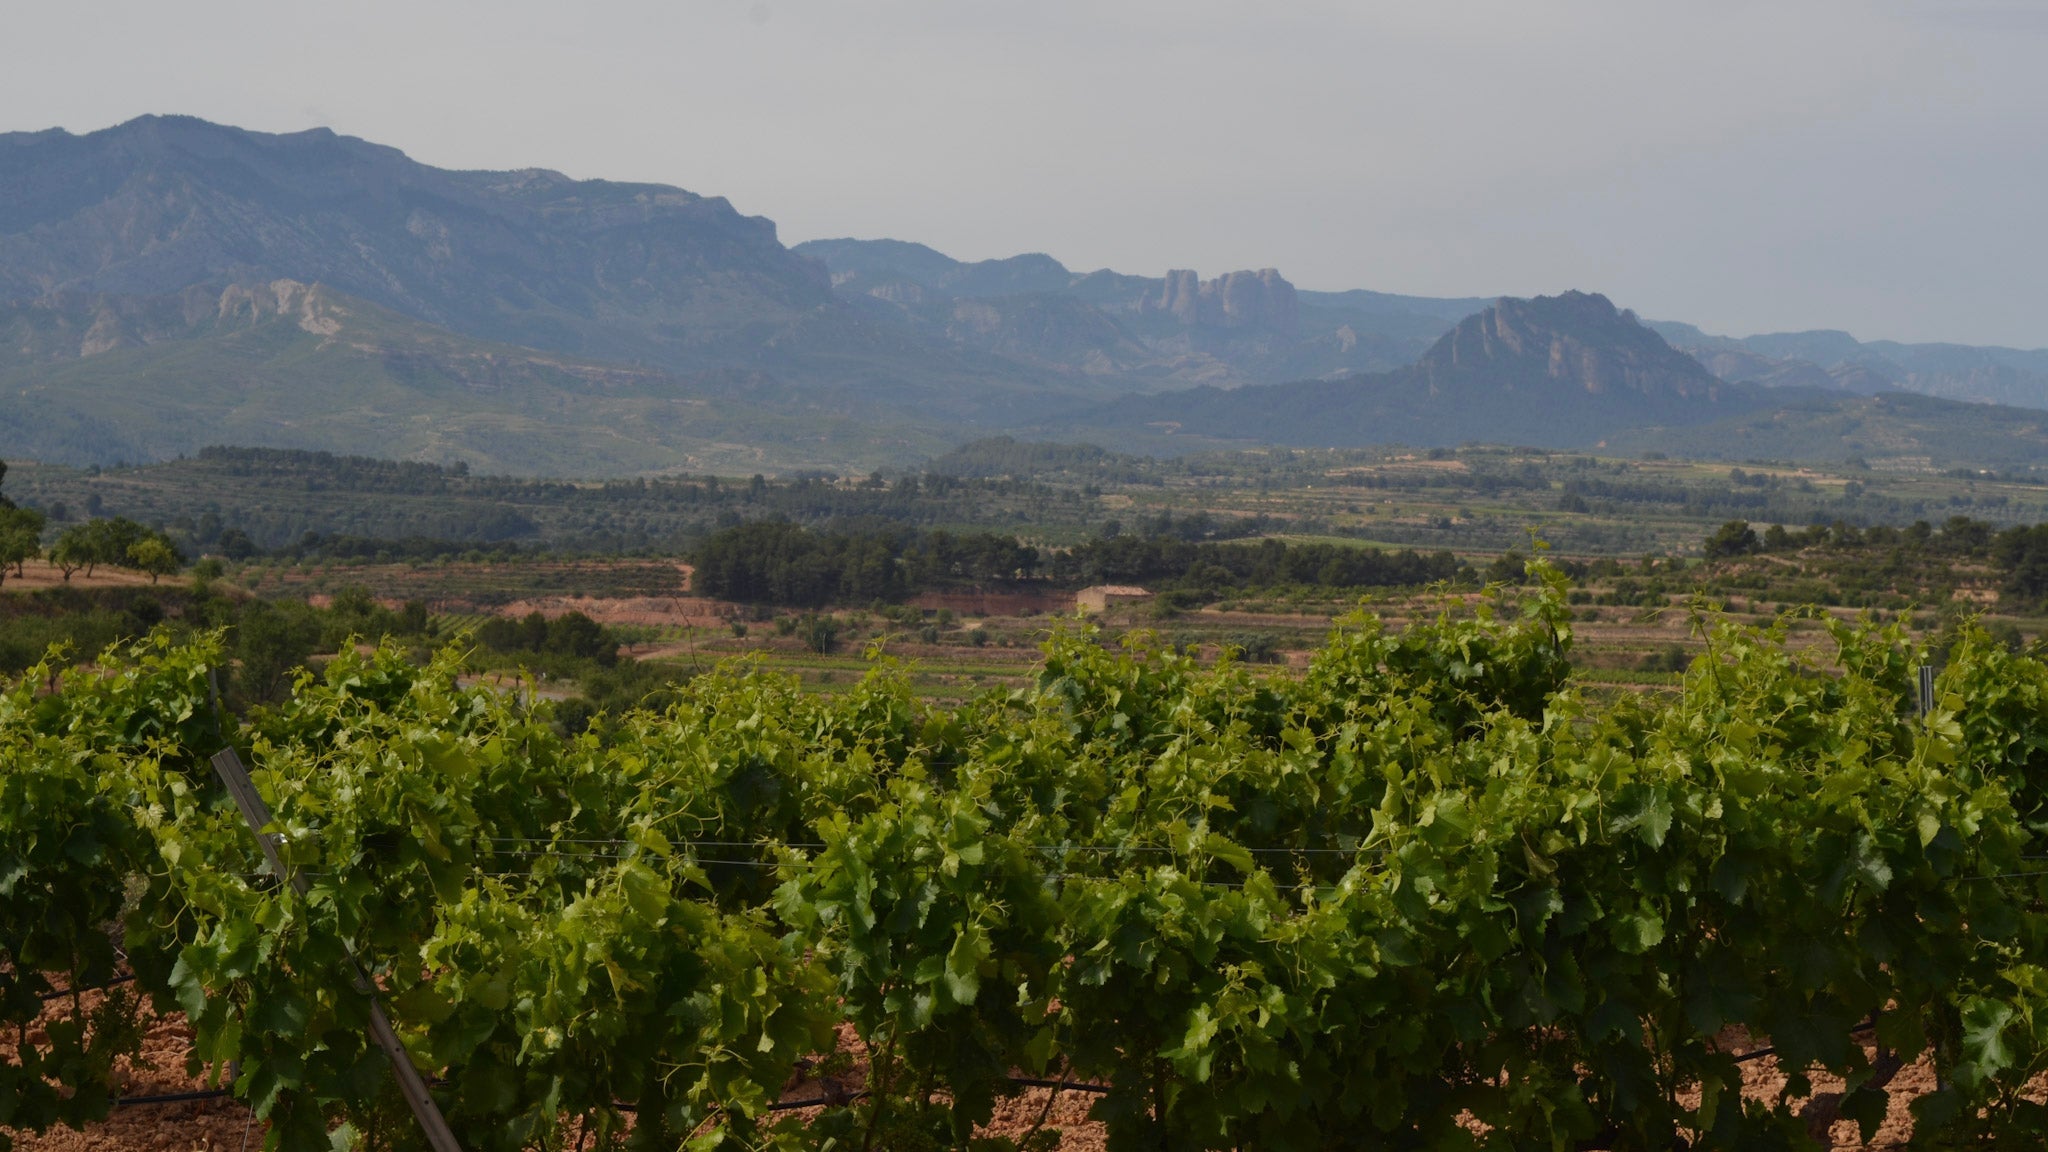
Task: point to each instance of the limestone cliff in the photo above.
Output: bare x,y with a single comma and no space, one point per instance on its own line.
1262,299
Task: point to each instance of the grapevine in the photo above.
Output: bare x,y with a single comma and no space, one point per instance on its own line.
1422,895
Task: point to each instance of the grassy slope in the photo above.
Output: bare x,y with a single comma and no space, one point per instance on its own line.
385,386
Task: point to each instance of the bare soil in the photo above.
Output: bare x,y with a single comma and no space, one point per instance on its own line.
37,575
1002,603
659,611
224,1125
220,1125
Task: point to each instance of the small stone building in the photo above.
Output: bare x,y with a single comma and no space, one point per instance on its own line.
1103,596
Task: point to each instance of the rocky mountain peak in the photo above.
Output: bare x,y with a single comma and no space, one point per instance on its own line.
1578,339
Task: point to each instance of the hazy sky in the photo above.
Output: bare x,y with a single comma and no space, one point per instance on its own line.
1878,166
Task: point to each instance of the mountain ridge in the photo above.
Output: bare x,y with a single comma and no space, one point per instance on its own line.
1577,338
1573,372
1560,371
632,272
1833,359
1246,326
168,283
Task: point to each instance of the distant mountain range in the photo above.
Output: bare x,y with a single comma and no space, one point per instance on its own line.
171,283
1572,371
645,276
1173,331
1839,361
618,271
1558,370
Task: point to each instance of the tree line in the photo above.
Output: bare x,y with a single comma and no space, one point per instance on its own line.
21,532
1217,566
778,562
116,542
241,502
2019,552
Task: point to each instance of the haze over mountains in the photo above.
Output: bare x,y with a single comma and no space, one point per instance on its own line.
1837,360
1175,330
170,283
1573,371
621,271
1564,370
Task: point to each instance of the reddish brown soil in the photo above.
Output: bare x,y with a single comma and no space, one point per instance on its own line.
979,603
198,1126
38,574
682,611
662,611
221,1125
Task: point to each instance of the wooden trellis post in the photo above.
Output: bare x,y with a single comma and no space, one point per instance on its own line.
229,765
